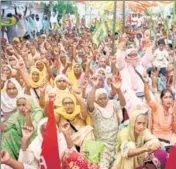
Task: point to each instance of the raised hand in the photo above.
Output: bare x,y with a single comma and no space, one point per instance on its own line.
84,84
65,127
42,87
116,84
77,92
45,61
94,82
27,132
69,63
3,77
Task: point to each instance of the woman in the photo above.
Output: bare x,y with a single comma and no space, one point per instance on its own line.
8,97
76,76
45,72
28,113
134,142
76,115
61,87
163,115
59,91
31,155
106,119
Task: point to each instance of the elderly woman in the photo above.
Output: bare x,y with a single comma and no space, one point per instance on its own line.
134,142
106,119
76,76
8,97
76,115
28,113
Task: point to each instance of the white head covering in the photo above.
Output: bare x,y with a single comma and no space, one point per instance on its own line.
9,104
130,50
35,146
59,76
107,111
100,91
101,69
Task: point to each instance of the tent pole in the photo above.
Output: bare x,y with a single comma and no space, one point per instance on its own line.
124,16
113,30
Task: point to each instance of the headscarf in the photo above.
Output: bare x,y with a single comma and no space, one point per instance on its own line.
128,133
44,71
61,110
60,94
9,104
107,111
101,69
41,79
16,39
73,79
99,92
59,76
132,61
34,105
35,146
10,64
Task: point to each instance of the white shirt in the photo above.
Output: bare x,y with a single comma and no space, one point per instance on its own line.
161,58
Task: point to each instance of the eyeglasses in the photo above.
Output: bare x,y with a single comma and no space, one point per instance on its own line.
68,103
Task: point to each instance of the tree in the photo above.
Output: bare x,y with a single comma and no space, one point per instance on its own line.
61,6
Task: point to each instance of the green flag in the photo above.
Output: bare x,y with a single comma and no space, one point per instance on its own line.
77,20
64,19
100,34
56,27
166,26
12,22
174,12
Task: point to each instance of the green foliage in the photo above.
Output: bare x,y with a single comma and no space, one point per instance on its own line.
60,6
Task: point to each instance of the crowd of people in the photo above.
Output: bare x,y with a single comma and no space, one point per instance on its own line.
112,111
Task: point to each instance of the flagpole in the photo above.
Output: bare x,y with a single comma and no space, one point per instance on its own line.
123,16
113,30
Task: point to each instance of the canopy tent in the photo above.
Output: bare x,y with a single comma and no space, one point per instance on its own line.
139,6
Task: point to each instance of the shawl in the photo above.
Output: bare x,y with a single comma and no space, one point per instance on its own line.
41,79
61,110
17,120
44,71
132,61
9,104
107,111
128,133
